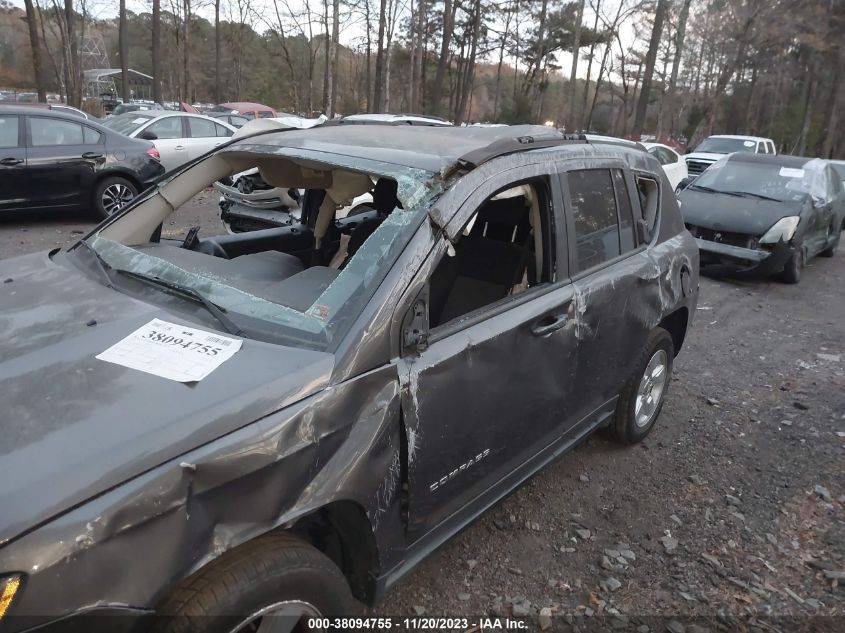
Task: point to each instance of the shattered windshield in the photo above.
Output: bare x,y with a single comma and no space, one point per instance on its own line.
311,296
726,146
766,180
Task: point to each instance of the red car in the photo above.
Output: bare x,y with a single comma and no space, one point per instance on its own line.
247,110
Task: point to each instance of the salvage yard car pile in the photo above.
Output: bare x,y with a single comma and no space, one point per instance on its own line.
269,425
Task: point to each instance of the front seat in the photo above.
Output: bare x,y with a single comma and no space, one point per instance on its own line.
385,200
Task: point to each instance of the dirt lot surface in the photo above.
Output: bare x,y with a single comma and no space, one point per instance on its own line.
730,516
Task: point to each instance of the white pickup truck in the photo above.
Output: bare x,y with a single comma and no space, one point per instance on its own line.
713,148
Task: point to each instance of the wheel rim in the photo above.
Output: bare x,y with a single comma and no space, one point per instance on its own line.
651,389
282,617
115,196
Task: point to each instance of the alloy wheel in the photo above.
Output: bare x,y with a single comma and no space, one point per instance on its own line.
115,197
651,389
289,616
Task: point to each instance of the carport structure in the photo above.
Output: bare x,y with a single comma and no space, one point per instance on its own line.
99,81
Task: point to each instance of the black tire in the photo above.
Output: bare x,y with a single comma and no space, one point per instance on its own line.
112,187
624,425
792,269
830,251
264,572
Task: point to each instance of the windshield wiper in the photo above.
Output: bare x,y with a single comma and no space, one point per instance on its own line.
711,190
216,311
745,194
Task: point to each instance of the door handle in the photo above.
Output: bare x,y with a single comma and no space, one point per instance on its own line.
549,324
179,147
92,155
11,162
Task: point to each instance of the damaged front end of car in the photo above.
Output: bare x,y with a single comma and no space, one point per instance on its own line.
740,256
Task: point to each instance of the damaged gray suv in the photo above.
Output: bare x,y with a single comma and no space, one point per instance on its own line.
223,434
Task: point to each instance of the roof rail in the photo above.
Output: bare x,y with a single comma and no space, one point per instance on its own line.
501,147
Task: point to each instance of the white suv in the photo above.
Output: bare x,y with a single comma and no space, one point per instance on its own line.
713,148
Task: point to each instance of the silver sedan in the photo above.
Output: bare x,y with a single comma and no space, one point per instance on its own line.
178,136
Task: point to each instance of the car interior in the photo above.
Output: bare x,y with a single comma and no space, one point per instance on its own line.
501,252
290,265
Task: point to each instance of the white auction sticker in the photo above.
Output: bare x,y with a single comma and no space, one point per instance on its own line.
172,351
791,172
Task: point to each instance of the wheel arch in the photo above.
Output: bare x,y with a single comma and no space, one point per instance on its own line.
342,531
676,324
119,173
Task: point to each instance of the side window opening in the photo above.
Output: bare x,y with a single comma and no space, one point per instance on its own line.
502,251
648,193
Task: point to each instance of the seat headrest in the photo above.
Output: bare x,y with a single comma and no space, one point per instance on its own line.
385,197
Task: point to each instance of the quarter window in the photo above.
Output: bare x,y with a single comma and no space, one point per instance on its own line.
222,131
46,132
9,131
601,210
91,136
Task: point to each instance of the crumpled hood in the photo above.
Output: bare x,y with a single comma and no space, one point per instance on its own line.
723,212
72,426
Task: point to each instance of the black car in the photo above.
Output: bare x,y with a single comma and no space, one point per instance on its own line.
251,432
50,160
755,215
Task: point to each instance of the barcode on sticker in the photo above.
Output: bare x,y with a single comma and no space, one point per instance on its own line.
220,341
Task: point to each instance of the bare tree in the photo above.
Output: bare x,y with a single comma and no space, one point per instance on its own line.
37,51
650,59
156,51
123,45
449,10
576,45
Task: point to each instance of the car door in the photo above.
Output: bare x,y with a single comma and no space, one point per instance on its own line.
204,135
63,157
14,193
492,387
610,270
170,140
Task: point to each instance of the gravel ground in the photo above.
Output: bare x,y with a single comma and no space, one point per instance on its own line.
730,516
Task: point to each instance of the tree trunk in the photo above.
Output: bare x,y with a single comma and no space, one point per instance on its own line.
73,68
418,69
35,44
156,52
576,46
123,45
589,123
186,41
217,92
583,109
379,78
676,64
469,77
800,146
838,102
650,59
449,9
368,75
333,83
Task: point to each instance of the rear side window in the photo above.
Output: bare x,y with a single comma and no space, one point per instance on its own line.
203,128
50,132
265,114
602,215
9,131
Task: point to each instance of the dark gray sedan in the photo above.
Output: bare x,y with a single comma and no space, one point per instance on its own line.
755,215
